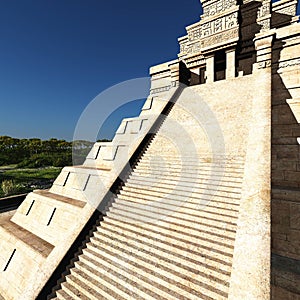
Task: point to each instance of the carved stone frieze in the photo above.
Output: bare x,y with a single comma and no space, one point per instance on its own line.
161,75
215,7
161,89
285,8
265,9
265,24
289,63
195,61
209,33
264,64
220,37
264,15
290,10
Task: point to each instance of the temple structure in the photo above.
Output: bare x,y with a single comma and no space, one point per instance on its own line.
199,196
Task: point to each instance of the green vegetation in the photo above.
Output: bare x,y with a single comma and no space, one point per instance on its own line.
7,187
29,174
17,181
36,153
27,164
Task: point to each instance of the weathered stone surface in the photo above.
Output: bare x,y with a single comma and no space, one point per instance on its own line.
221,178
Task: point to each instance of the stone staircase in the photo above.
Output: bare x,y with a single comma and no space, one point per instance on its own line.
169,233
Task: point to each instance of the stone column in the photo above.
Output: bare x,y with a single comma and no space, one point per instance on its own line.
210,68
251,261
175,71
263,46
230,63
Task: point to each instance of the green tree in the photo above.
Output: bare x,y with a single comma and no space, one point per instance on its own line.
8,187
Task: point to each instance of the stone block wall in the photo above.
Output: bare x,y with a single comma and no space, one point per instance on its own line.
36,238
286,165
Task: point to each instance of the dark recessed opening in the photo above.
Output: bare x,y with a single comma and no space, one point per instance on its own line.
198,78
13,253
53,212
30,207
202,75
66,179
220,65
195,79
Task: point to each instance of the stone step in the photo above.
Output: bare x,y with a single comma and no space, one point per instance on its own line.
193,199
94,168
71,290
187,174
167,220
83,290
219,230
192,261
169,203
100,288
196,168
193,185
179,232
62,295
153,210
25,237
173,238
174,179
193,281
60,198
189,257
206,175
182,265
171,207
148,159
189,183
154,180
128,275
102,276
182,288
152,152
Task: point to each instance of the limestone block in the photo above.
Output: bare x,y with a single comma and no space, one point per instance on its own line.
93,154
295,218
279,293
123,126
287,152
286,248
136,126
109,152
148,103
283,165
62,178
282,130
77,181
292,176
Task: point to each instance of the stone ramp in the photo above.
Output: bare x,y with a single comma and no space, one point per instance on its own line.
60,198
19,233
169,234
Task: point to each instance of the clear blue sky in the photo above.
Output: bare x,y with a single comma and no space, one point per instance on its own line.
57,55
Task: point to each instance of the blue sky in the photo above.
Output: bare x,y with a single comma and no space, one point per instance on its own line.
57,55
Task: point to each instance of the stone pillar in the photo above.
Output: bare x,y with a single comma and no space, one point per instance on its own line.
175,71
210,68
251,261
179,73
230,63
263,46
